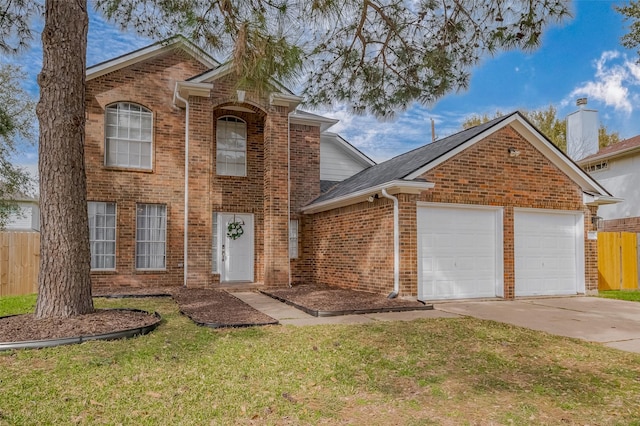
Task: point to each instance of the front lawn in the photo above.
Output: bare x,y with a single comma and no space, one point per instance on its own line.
631,295
438,371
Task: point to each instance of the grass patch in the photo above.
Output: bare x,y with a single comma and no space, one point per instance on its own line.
439,371
630,295
12,305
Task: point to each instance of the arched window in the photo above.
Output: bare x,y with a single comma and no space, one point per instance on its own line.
128,136
231,146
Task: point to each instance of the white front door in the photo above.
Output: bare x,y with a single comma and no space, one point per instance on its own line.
235,247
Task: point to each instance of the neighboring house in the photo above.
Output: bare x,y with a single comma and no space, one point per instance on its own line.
272,199
28,217
617,168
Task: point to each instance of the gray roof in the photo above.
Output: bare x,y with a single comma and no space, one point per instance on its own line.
403,165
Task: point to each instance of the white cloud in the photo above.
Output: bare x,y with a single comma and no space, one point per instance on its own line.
614,78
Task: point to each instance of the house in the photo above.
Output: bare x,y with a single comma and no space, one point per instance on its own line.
253,162
192,181
617,168
27,218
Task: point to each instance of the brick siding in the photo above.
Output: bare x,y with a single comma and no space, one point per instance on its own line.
353,246
263,192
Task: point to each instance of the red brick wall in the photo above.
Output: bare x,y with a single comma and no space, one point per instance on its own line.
628,224
264,189
352,247
483,174
151,84
305,186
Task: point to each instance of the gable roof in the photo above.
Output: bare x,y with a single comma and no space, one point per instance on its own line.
625,147
405,169
175,42
347,147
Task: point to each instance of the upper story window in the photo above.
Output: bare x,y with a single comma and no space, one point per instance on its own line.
231,146
604,165
128,136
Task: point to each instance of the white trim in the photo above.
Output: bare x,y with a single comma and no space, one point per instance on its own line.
540,142
393,187
184,89
145,53
579,241
307,119
610,156
599,200
283,99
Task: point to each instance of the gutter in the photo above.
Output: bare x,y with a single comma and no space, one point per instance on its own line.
396,244
392,187
185,266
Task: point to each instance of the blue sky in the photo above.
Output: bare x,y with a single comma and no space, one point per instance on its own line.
580,57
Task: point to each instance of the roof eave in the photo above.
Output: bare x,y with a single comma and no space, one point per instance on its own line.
600,200
140,55
392,187
184,89
609,156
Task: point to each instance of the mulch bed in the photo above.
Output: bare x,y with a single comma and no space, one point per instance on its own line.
126,292
217,308
20,328
332,301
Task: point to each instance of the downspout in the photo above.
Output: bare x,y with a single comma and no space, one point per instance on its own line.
289,194
186,186
396,245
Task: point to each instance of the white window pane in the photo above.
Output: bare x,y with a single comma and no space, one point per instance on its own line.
128,126
151,236
102,234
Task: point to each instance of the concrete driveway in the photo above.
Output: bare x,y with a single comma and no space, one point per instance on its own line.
614,323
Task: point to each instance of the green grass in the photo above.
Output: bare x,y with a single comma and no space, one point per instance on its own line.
631,295
17,304
427,372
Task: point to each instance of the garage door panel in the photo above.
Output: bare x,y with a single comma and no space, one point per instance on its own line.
547,253
457,252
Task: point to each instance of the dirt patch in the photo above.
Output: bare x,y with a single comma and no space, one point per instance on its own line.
21,328
217,308
329,301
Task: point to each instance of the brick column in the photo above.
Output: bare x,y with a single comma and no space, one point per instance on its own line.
276,198
509,254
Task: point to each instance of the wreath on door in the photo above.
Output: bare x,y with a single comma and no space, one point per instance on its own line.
234,229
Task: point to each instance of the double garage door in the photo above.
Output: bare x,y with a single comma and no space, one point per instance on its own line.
461,252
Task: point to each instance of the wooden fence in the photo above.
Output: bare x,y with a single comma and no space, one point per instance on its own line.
19,259
617,261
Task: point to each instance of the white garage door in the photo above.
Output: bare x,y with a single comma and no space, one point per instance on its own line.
549,253
459,252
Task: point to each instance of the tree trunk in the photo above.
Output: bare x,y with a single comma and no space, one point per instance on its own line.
64,280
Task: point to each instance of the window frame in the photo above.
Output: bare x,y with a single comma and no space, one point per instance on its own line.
150,242
226,119
104,240
109,140
294,238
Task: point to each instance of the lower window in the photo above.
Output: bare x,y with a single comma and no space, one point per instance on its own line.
151,236
102,234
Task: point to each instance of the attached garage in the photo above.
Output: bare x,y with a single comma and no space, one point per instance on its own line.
459,251
549,252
